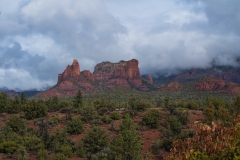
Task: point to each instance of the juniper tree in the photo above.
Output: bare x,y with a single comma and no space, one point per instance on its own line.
95,141
23,98
77,102
128,145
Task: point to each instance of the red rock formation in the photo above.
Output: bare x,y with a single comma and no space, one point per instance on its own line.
70,71
88,75
232,74
106,74
10,93
133,73
172,86
149,79
216,85
123,73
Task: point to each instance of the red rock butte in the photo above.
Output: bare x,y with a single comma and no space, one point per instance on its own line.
105,75
70,71
123,73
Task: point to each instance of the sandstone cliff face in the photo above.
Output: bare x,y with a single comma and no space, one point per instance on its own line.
172,86
149,79
106,74
87,74
216,85
70,71
70,81
123,73
232,74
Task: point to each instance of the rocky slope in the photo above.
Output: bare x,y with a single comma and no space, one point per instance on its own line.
217,85
226,73
105,75
205,85
218,79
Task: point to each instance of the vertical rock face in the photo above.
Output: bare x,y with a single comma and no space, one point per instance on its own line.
87,74
123,73
133,73
106,74
149,79
70,71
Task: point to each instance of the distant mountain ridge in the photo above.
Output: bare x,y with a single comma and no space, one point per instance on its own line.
226,73
218,79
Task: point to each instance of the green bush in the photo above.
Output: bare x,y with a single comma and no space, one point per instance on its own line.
53,104
88,113
95,141
54,120
66,150
108,120
42,154
32,143
80,150
34,109
18,125
8,147
175,125
74,126
182,115
138,105
151,118
115,116
58,156
3,102
13,105
22,153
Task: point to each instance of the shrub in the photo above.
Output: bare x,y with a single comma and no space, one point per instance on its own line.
54,120
66,150
18,125
42,154
95,141
32,143
182,115
115,116
58,156
8,147
34,109
88,113
3,102
74,126
22,153
53,103
151,118
175,125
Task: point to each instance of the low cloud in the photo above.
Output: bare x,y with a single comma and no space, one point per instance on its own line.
38,38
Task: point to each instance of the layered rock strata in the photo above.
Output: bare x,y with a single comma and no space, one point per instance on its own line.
123,73
105,75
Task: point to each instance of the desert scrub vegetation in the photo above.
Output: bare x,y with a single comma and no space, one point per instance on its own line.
118,124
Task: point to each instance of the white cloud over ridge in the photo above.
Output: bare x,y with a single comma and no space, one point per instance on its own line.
40,37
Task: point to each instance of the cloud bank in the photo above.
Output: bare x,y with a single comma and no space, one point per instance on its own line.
38,38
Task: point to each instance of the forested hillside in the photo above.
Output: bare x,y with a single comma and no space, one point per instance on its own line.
116,125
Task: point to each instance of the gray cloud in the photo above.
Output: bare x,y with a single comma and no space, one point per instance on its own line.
15,57
38,38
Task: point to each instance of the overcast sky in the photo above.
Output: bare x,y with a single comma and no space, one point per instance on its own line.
39,38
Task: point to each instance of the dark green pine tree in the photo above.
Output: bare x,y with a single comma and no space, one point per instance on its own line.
95,141
77,102
128,144
23,98
3,102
